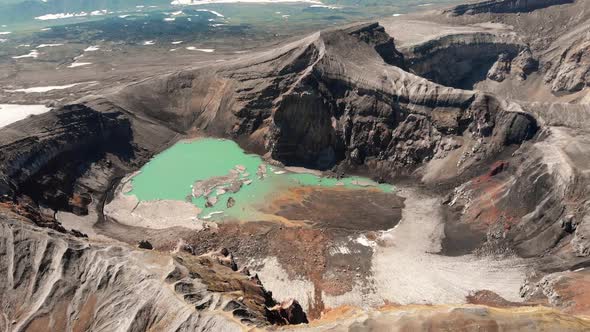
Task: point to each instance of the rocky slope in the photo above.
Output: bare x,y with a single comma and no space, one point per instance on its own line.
534,200
467,57
538,195
571,71
513,174
556,64
54,281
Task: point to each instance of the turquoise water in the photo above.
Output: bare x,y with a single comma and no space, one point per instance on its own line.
171,174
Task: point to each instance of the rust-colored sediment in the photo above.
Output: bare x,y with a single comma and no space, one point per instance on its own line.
39,324
301,242
491,299
485,208
574,292
301,252
339,208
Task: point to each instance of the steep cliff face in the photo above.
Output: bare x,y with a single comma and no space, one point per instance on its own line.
504,6
333,96
570,71
553,61
519,66
534,201
62,157
461,60
392,120
26,149
45,158
565,156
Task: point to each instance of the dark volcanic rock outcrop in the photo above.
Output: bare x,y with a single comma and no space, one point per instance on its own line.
521,66
461,60
27,148
288,312
536,206
536,203
570,71
333,96
501,68
556,39
47,155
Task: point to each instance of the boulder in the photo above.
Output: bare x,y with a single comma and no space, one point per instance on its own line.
145,244
288,312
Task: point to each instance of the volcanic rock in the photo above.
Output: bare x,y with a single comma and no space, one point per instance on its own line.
501,68
230,202
144,244
287,312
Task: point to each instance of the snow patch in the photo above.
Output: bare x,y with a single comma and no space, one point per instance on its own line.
49,45
79,64
211,11
39,89
206,50
60,16
33,54
325,6
10,113
364,241
99,12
